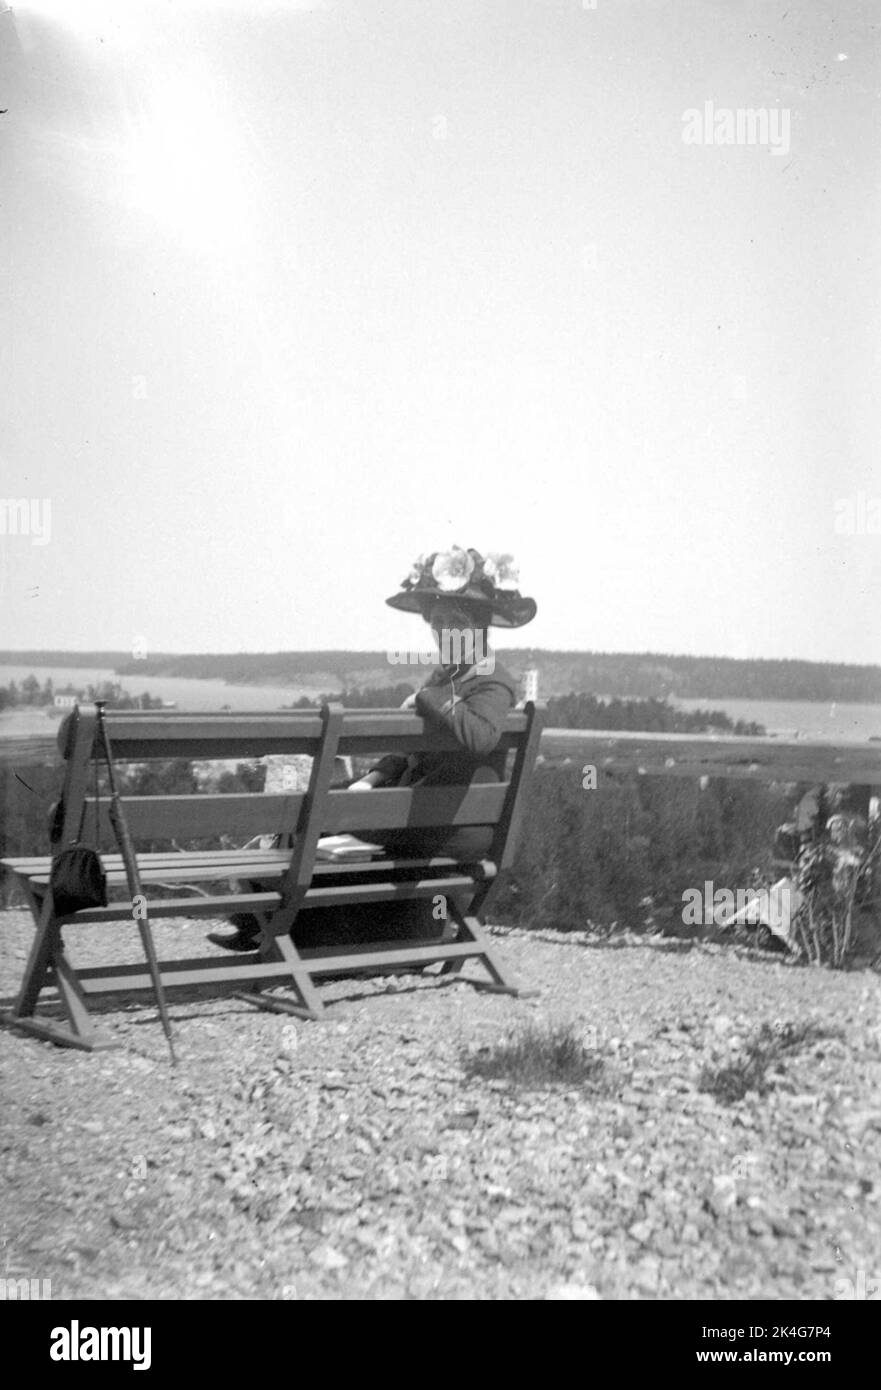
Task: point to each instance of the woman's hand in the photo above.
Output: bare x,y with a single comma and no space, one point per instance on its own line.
371,779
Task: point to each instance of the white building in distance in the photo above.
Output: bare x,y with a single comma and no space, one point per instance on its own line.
529,684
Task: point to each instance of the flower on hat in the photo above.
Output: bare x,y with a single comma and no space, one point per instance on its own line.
415,574
502,571
452,569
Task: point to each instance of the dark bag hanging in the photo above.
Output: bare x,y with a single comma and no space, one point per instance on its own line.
77,879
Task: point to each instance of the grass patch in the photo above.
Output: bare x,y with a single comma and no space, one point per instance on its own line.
749,1071
536,1056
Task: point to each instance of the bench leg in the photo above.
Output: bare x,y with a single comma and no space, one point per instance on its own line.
279,946
307,1005
71,993
40,956
466,928
453,932
48,965
306,990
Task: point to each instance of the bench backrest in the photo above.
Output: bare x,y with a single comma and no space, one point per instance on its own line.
324,734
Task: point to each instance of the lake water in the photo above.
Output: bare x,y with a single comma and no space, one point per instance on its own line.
807,718
784,717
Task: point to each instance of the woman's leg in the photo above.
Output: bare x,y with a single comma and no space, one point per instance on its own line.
246,936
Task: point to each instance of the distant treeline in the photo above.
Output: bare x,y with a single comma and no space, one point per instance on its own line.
31,694
642,716
641,675
373,697
573,712
645,675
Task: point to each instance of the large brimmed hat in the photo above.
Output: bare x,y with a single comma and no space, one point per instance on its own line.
489,580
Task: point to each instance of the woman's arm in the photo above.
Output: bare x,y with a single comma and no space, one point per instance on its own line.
476,719
389,769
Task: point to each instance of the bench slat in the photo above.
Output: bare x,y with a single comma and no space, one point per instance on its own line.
227,903
334,960
117,878
141,736
387,889
241,814
181,866
214,906
389,808
113,979
137,736
245,814
110,979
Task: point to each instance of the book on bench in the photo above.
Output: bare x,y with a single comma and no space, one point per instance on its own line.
346,849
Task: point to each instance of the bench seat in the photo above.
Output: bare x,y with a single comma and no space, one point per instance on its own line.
211,866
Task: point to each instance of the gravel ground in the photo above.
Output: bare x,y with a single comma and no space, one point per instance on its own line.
354,1159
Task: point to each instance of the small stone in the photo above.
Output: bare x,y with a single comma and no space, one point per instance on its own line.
648,1276
465,1120
641,1231
781,1226
509,1216
326,1257
122,1220
572,1293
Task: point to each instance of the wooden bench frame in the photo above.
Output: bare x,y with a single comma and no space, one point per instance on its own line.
302,882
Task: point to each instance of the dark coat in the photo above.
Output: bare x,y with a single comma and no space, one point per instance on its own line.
473,707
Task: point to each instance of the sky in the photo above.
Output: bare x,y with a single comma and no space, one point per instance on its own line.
295,292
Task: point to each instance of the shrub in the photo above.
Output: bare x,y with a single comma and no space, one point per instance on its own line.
593,857
748,1072
835,872
536,1056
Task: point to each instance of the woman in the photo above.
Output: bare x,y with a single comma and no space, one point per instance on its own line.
461,594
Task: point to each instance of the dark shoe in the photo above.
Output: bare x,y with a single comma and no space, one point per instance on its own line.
242,939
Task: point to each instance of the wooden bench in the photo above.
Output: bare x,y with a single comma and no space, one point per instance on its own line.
289,879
